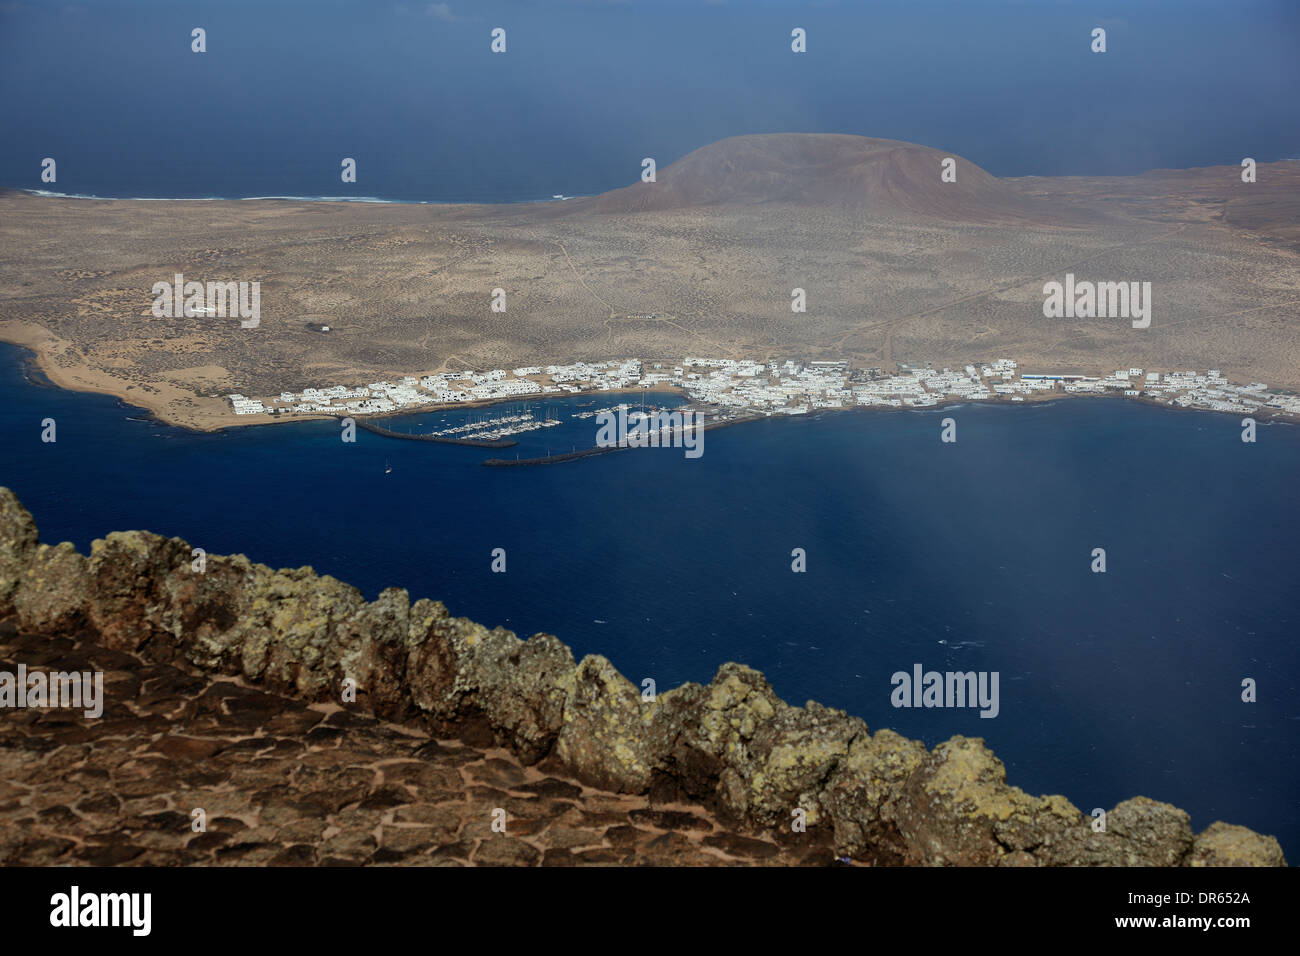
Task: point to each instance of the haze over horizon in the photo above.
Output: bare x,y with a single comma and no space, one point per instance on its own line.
588,89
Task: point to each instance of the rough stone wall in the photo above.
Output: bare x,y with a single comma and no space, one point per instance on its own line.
732,746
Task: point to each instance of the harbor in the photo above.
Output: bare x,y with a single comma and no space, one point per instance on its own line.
480,431
492,429
822,482
746,387
436,439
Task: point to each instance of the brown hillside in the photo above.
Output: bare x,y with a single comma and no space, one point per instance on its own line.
869,178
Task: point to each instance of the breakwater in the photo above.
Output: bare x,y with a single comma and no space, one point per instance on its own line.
550,459
436,439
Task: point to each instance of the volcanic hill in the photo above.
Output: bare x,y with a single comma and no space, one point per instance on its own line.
897,265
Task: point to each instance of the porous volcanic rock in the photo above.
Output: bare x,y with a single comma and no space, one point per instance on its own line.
810,775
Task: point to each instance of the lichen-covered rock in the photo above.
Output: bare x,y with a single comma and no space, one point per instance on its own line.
604,735
1148,833
1052,827
127,601
209,611
433,661
738,746
373,650
51,593
459,671
294,630
793,756
529,707
682,770
733,744
956,809
860,796
1224,844
18,539
1138,832
736,705
702,735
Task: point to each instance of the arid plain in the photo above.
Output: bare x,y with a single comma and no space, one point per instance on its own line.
898,266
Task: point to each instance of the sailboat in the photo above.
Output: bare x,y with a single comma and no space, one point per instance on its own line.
388,469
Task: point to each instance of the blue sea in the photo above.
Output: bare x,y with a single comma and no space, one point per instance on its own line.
974,555
967,556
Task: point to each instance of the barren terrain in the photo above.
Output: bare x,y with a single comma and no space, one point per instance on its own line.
897,265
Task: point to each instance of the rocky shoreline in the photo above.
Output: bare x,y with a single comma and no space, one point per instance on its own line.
732,747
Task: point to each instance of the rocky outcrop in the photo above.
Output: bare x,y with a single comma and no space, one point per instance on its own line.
732,746
283,782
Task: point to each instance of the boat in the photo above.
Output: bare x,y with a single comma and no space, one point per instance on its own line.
388,469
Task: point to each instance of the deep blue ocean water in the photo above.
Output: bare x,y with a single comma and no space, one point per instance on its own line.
973,556
967,556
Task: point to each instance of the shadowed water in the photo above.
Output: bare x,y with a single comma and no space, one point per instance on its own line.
967,556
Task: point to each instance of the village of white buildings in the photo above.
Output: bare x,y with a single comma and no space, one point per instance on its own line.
742,387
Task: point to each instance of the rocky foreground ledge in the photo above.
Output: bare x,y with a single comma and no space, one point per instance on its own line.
732,750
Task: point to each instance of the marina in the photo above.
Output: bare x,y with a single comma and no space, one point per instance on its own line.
436,439
862,492
499,427
745,387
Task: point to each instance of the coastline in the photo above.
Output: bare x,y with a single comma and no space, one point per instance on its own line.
212,415
369,200
409,480
207,414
